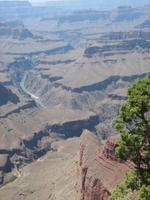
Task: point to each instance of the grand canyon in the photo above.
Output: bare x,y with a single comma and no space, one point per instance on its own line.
63,76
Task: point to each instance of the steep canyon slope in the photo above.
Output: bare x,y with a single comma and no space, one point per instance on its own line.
79,168
62,73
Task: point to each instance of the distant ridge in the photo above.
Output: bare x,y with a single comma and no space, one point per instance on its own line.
98,4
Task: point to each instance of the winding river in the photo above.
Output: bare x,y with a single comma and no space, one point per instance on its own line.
34,97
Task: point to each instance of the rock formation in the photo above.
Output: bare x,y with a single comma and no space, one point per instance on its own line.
99,167
109,149
61,73
77,169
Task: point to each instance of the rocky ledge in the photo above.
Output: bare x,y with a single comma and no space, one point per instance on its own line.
100,170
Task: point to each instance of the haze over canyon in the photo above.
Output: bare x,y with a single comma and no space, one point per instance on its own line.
64,72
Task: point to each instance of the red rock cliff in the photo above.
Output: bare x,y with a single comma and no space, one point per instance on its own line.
100,170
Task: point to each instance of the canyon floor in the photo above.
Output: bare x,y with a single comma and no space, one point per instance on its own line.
61,74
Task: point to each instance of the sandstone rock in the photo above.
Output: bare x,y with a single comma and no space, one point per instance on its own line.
109,148
99,167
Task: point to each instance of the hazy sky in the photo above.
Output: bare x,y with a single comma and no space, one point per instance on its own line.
103,3
46,0
35,1
100,1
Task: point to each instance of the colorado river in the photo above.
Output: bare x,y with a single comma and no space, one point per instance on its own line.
34,97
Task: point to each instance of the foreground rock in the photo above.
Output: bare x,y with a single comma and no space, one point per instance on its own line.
77,169
100,170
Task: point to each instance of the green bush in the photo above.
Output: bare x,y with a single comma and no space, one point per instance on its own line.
145,193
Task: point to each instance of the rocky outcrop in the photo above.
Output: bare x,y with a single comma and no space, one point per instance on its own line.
109,148
94,190
99,167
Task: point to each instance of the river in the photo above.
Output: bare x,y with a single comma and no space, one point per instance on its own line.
33,96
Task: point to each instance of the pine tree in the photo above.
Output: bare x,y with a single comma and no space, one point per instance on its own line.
134,125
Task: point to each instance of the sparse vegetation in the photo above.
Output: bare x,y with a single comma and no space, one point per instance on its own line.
13,178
